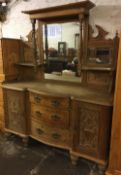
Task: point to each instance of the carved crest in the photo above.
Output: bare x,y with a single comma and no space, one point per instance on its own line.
101,33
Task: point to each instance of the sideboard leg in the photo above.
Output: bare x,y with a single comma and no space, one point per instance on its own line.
25,141
101,169
74,159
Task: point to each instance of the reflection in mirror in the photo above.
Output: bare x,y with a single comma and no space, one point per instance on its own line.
99,56
61,43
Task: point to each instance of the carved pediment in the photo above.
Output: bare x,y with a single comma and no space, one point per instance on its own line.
101,35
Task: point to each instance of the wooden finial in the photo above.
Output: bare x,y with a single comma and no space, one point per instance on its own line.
116,33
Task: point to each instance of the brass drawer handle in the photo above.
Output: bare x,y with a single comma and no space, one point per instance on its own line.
55,117
37,99
38,114
55,103
56,136
40,131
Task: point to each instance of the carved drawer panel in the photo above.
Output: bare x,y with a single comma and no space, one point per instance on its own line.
56,118
50,101
49,135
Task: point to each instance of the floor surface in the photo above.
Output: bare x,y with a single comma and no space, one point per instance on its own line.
37,159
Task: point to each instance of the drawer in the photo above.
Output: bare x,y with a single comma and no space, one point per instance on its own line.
56,118
49,135
50,101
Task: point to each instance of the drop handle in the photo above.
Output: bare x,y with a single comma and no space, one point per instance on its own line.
55,117
37,99
40,131
55,103
56,136
38,114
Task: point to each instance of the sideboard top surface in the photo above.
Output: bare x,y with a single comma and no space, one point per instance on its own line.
76,92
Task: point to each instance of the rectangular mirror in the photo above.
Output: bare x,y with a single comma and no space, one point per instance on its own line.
100,56
61,47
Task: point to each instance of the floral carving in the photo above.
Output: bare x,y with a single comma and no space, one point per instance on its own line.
89,129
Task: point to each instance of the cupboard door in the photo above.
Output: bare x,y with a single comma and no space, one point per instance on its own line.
92,130
88,129
15,119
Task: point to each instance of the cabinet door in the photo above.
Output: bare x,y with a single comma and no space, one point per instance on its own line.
15,120
92,130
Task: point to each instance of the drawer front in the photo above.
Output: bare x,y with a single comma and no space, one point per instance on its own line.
56,118
50,101
54,136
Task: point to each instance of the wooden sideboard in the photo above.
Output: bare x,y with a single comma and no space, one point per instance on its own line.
74,118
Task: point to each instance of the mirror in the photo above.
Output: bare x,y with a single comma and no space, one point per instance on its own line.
61,44
99,56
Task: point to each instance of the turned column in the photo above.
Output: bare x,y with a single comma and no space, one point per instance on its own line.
33,21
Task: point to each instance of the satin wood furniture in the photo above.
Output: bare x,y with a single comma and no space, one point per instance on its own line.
73,116
77,118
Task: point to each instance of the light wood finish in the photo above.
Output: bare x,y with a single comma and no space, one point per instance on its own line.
9,55
40,40
27,72
15,111
83,112
79,116
114,167
50,101
65,11
50,135
1,110
50,116
91,128
99,61
62,91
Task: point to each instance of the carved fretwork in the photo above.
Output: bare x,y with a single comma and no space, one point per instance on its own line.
89,128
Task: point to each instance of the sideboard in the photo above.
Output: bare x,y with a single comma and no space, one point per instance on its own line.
72,115
74,118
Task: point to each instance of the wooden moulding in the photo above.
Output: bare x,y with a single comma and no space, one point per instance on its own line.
85,4
63,13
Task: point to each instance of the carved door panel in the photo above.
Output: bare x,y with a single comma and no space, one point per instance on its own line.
88,129
15,111
92,131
